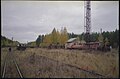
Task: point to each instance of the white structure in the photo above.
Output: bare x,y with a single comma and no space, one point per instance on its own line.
75,44
70,42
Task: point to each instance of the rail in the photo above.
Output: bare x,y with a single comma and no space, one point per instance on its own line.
15,63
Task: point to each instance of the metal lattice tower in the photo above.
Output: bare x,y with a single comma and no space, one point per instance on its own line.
87,18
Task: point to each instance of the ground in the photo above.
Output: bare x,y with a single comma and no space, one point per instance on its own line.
49,63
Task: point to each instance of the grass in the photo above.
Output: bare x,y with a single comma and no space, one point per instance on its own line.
103,63
3,54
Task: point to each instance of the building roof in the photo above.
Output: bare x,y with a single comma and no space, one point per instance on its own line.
72,39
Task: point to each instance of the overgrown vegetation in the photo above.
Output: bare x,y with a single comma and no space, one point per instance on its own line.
61,37
7,42
55,37
39,63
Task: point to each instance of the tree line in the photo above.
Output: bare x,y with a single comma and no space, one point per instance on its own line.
60,38
56,37
7,42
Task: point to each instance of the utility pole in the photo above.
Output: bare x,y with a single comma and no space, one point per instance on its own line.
101,30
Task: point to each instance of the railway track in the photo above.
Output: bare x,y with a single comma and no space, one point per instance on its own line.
11,68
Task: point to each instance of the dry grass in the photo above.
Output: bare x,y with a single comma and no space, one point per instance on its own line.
40,66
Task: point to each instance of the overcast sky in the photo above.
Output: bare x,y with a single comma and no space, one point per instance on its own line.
25,20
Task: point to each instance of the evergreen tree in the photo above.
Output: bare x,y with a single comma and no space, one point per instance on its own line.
38,40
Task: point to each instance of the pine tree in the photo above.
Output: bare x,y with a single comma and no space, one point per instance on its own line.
38,40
